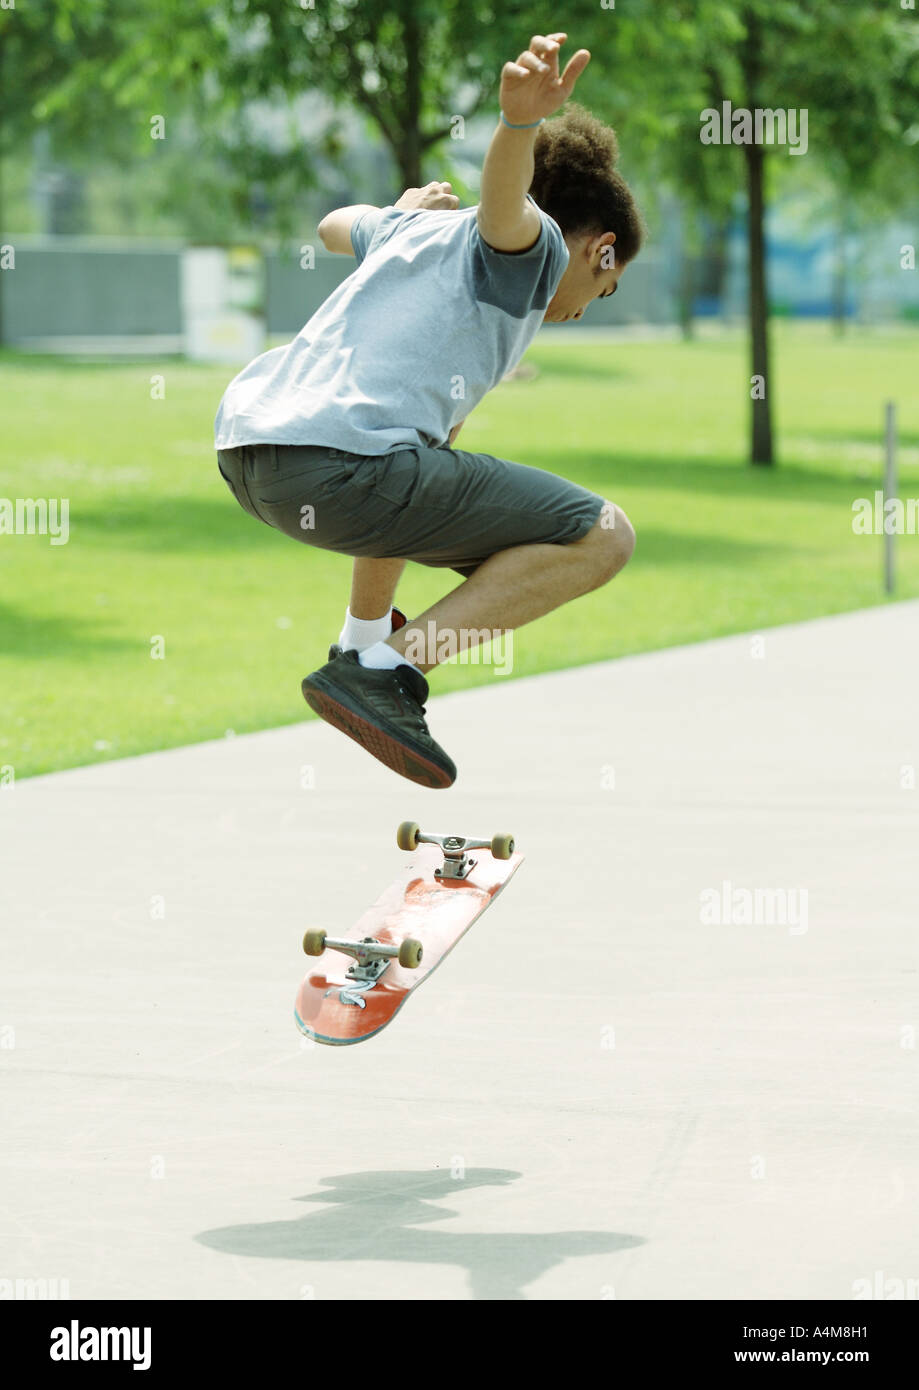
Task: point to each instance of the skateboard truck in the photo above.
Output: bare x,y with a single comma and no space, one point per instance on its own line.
366,953
372,957
457,861
354,998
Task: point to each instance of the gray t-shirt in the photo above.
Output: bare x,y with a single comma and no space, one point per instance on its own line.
407,346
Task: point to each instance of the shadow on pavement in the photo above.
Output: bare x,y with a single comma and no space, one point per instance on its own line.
374,1216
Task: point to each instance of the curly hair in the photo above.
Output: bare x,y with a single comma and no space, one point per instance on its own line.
577,184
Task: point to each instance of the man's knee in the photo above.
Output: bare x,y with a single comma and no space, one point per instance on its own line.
612,541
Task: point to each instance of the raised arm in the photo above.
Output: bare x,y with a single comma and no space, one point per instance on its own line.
335,227
531,89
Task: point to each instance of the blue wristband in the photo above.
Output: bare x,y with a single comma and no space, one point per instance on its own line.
532,125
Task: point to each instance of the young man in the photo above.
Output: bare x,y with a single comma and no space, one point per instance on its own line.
343,439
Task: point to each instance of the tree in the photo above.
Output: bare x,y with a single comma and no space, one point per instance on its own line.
40,43
853,69
221,72
414,68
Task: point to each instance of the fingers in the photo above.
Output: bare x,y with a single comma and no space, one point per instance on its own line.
542,57
531,63
440,195
545,47
575,67
541,60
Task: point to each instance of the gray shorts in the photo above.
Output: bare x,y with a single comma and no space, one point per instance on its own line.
440,507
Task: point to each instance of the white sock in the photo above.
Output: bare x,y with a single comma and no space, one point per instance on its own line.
383,657
360,633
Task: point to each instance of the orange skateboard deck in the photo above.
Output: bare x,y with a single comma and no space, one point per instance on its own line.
363,982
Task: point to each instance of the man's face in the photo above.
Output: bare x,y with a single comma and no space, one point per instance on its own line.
591,273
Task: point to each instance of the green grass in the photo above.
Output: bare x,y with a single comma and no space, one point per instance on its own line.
158,547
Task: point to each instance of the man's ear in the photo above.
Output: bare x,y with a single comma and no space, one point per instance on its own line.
603,251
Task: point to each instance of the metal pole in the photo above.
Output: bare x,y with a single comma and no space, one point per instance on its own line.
890,490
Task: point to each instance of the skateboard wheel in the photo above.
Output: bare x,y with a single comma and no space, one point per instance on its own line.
502,846
410,953
314,942
407,835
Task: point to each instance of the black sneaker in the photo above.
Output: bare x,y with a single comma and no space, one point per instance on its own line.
384,712
398,620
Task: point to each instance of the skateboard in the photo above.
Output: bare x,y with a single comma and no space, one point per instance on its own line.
364,981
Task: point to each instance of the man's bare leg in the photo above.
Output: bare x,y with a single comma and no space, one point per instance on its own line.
380,704
373,586
515,586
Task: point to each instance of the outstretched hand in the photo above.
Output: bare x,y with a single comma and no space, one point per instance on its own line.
433,195
532,87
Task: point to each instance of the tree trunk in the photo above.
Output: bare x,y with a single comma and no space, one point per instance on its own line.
755,157
761,421
2,227
408,152
408,156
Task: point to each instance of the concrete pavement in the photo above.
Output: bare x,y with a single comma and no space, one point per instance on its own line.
676,1059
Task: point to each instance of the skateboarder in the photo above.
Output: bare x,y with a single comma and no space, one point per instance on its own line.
344,438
